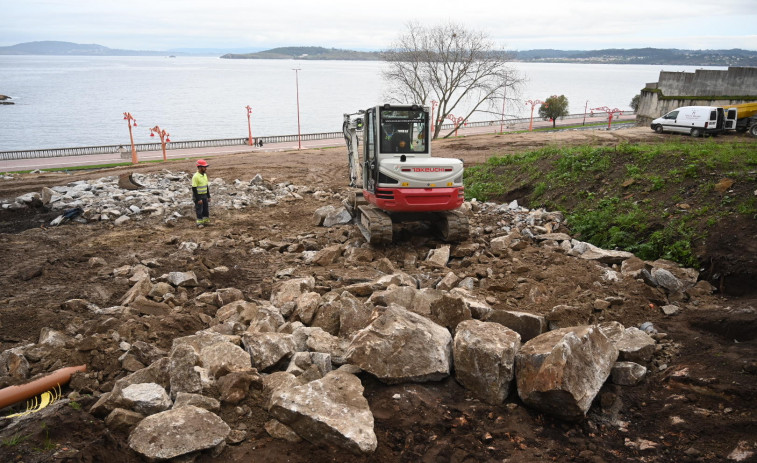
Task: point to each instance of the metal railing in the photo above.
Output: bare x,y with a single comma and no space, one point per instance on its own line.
177,145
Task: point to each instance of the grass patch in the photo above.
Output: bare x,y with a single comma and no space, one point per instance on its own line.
667,211
14,440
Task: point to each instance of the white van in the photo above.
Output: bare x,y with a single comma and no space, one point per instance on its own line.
693,120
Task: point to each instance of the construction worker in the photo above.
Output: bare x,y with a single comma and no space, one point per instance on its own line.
201,193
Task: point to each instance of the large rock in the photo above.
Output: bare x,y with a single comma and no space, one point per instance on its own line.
307,304
401,295
526,324
450,310
177,432
478,307
141,288
327,317
267,349
561,371
158,372
438,257
633,344
225,357
184,376
354,315
627,373
484,355
590,252
147,398
290,290
338,217
328,255
183,279
263,319
401,346
328,411
144,306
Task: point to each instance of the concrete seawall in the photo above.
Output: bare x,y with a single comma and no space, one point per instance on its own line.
703,87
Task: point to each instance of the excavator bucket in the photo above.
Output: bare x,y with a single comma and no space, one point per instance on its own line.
127,182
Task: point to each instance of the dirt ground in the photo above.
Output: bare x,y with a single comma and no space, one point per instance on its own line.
697,404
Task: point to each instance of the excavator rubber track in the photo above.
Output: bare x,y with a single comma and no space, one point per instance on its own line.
375,225
452,226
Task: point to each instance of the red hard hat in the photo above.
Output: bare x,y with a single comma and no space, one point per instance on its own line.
202,163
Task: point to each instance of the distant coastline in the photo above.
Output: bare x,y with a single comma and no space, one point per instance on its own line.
662,56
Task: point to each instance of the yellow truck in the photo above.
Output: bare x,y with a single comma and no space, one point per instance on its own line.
742,118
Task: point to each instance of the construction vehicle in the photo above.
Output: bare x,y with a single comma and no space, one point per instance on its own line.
745,117
395,178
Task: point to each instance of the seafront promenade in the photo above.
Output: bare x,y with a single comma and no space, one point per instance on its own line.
291,143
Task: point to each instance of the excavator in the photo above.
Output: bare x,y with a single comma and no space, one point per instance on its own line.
395,179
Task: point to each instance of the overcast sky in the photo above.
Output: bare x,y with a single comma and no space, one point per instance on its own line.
372,25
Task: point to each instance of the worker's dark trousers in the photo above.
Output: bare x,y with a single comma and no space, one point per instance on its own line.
201,207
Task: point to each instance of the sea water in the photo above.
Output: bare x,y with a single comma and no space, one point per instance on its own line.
68,101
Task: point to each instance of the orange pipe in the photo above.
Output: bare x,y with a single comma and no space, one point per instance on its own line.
12,394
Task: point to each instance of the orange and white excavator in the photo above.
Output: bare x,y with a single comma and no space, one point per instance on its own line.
397,178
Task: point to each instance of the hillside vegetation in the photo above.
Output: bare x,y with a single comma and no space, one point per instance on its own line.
306,53
677,200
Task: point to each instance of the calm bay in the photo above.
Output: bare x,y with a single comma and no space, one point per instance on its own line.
68,101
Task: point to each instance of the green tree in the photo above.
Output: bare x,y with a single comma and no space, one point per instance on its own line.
459,68
634,104
554,107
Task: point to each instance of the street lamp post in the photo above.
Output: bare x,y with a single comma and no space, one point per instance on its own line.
163,138
504,98
249,127
533,104
132,123
297,83
610,113
585,108
434,104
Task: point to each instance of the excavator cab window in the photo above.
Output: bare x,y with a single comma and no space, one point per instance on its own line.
403,131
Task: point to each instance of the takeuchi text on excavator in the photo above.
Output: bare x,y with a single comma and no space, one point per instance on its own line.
396,179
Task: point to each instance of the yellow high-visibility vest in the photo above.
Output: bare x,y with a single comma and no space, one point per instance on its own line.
200,181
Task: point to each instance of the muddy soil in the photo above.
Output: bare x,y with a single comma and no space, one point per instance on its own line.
697,404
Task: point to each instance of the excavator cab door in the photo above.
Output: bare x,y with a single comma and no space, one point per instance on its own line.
370,163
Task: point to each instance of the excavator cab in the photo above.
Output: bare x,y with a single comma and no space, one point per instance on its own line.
403,130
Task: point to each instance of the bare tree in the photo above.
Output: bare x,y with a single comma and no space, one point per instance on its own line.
457,67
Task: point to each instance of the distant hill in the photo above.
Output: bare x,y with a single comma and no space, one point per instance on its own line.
666,56
307,53
662,56
74,49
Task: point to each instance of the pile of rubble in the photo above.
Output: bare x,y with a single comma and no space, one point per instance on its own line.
163,194
302,349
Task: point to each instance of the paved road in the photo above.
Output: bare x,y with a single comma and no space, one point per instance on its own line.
98,159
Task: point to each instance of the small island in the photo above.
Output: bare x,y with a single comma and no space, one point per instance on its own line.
307,53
